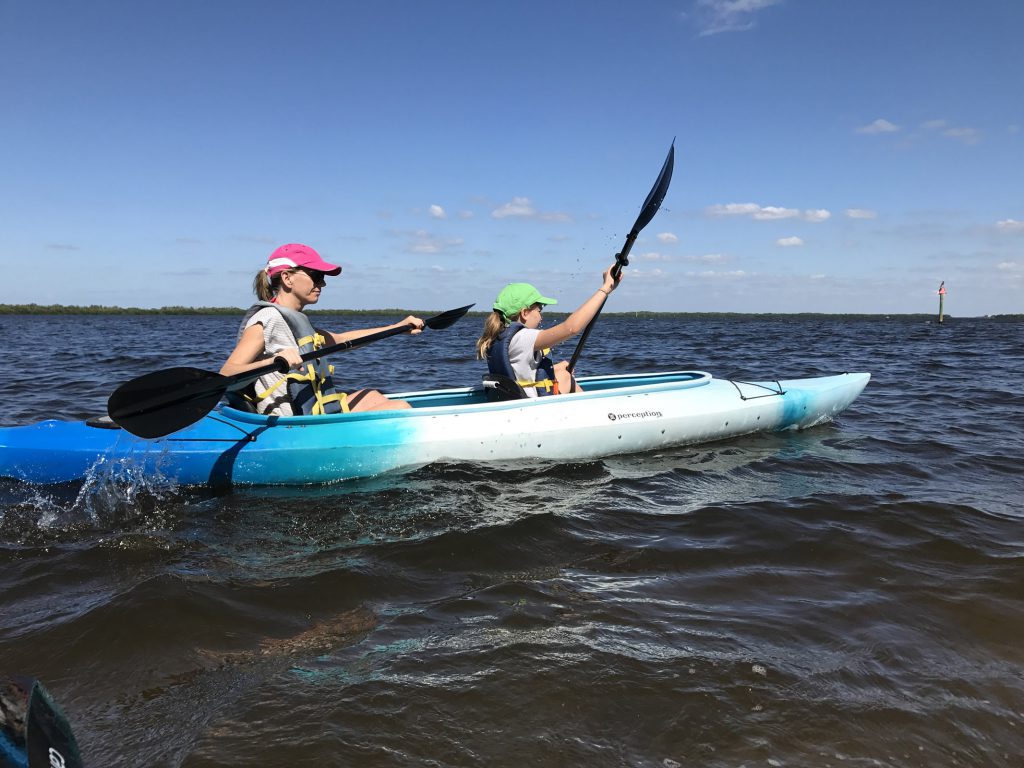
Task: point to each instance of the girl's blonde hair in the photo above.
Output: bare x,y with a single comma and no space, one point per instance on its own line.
493,326
265,288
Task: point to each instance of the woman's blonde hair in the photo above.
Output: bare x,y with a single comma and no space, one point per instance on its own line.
493,326
265,287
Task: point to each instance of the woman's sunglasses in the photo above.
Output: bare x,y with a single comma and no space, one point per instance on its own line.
318,278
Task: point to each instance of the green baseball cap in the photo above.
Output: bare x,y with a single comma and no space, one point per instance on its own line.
518,296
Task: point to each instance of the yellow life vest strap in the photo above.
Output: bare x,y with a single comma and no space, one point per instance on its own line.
547,384
317,340
340,397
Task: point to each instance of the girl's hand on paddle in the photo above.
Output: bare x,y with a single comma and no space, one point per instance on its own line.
610,283
411,320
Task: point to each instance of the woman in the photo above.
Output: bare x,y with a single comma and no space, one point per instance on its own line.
276,326
514,346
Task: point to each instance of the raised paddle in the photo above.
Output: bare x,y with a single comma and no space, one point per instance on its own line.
163,402
651,206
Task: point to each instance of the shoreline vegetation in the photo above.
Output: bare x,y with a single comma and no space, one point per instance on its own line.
94,309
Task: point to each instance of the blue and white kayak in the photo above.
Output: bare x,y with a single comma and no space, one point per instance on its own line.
613,415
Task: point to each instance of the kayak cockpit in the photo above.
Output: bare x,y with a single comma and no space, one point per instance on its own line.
472,398
593,384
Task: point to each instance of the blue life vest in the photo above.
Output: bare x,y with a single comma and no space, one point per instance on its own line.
311,388
499,363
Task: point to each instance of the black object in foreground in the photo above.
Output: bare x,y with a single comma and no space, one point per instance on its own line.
651,206
159,403
33,730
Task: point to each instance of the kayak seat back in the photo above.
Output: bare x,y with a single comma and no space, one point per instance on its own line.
238,402
499,388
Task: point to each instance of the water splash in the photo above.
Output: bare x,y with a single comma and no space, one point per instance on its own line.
117,495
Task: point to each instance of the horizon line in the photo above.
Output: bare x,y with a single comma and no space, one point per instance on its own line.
98,309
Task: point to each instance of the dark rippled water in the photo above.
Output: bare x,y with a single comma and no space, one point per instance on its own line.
851,595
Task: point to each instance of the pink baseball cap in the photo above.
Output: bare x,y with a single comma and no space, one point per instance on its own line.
298,255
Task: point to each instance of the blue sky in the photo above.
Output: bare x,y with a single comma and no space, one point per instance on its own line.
830,156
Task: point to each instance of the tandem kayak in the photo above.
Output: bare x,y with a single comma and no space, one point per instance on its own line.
613,415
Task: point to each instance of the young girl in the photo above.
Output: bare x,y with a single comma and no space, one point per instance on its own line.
514,346
276,326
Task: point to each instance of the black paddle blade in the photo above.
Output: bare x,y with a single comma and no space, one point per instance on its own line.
50,740
33,730
445,319
162,402
658,192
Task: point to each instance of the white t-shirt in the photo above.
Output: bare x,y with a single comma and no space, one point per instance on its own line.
523,358
276,337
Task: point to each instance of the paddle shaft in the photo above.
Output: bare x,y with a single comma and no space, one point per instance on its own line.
650,207
158,403
218,385
280,365
621,259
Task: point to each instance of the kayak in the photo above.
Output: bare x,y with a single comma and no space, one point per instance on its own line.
613,415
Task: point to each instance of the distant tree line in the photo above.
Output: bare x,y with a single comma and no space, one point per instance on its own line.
96,309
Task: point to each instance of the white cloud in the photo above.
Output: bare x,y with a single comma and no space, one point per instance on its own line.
878,126
715,16
425,242
1009,266
1010,225
667,237
523,208
773,213
642,274
710,274
789,242
465,214
767,212
733,209
437,212
966,135
519,207
861,213
704,258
